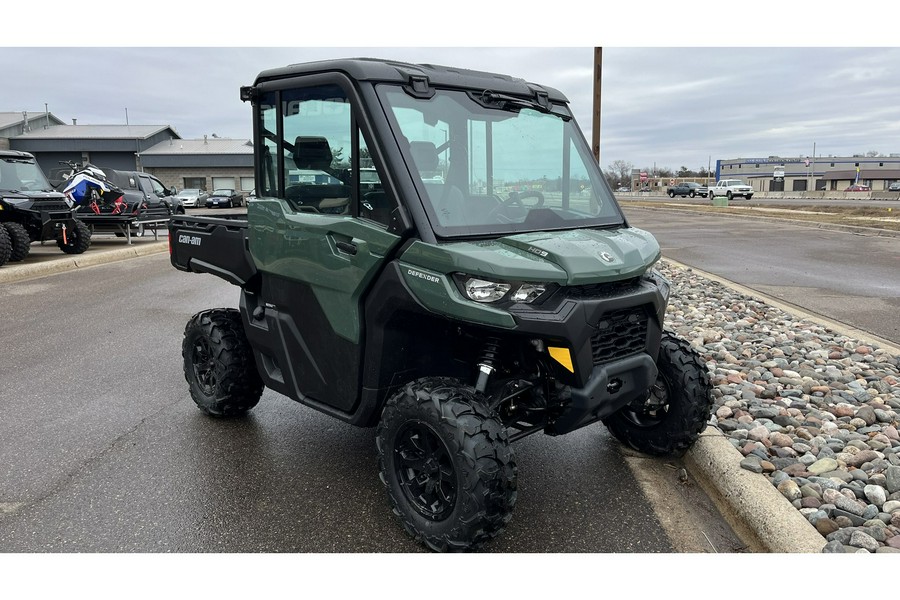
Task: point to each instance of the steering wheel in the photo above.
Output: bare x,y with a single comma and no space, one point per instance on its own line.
515,199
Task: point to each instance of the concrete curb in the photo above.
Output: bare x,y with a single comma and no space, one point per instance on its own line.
756,511
20,272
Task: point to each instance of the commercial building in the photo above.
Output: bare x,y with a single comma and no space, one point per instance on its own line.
799,174
208,164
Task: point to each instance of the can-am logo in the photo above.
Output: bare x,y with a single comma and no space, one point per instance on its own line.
607,256
191,240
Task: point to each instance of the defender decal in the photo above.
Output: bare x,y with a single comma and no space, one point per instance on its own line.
424,276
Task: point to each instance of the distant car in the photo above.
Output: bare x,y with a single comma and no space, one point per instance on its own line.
192,197
646,188
858,188
224,197
623,188
687,188
894,187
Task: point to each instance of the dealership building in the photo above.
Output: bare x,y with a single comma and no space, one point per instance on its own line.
209,163
800,174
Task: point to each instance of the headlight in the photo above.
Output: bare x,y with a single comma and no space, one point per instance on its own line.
481,290
528,293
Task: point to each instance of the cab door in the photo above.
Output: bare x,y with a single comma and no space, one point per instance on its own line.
316,242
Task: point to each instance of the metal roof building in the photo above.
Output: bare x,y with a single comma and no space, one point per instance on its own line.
114,146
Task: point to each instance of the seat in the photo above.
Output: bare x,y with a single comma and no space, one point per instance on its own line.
448,200
314,154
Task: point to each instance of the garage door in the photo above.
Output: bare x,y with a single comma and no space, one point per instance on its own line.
223,183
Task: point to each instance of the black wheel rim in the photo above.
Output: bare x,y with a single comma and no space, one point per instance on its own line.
654,408
425,470
204,366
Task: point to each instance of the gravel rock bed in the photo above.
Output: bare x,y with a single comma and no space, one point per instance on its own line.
814,411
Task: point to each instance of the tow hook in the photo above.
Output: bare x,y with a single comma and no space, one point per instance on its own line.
614,386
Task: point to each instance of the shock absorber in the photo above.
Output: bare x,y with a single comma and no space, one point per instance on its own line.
490,360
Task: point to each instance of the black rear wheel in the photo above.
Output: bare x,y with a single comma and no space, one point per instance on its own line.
446,463
676,409
219,365
19,241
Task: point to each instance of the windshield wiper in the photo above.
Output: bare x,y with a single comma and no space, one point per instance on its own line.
490,99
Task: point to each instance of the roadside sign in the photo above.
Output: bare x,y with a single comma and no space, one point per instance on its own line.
643,176
779,171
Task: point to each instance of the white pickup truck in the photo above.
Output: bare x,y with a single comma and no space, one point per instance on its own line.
730,188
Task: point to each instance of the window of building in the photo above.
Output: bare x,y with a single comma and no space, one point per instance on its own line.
195,183
832,164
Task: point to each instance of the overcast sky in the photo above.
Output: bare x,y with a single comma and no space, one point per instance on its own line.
663,104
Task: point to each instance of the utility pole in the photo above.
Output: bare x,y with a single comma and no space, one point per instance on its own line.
595,126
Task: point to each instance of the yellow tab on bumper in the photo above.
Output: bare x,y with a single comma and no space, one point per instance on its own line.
562,356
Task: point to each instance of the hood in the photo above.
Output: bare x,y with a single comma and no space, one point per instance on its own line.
26,195
592,255
575,257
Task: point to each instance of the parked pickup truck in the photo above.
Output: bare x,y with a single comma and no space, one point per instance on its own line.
731,188
687,188
454,318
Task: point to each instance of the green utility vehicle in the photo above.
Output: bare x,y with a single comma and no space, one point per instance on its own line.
434,252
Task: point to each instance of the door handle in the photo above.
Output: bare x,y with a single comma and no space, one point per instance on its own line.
346,247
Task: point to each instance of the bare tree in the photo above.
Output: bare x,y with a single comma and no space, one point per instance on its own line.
621,170
873,153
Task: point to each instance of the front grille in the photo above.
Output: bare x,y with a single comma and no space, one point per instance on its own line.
603,290
49,205
619,334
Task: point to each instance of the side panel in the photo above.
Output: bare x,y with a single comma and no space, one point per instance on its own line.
337,256
315,269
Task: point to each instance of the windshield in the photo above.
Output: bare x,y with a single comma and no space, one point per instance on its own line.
23,175
485,170
223,192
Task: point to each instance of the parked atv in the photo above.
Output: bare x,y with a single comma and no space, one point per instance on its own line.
31,210
486,289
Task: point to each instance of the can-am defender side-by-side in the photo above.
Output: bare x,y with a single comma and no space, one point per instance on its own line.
32,211
435,252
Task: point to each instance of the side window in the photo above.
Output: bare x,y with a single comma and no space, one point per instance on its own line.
316,145
158,187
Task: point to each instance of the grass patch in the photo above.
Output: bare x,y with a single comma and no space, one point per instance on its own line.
875,217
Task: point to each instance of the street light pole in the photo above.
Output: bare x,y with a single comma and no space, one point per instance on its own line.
595,128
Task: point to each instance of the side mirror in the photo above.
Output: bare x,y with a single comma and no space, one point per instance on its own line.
173,191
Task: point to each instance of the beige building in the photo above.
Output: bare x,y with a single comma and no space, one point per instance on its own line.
799,174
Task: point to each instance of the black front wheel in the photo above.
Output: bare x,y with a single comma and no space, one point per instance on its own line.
5,246
219,365
19,240
675,410
446,463
74,238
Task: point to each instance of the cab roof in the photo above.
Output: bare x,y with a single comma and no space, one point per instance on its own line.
380,70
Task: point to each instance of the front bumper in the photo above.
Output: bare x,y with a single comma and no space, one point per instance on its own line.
609,388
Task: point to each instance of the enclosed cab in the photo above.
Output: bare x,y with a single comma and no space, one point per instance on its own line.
463,267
